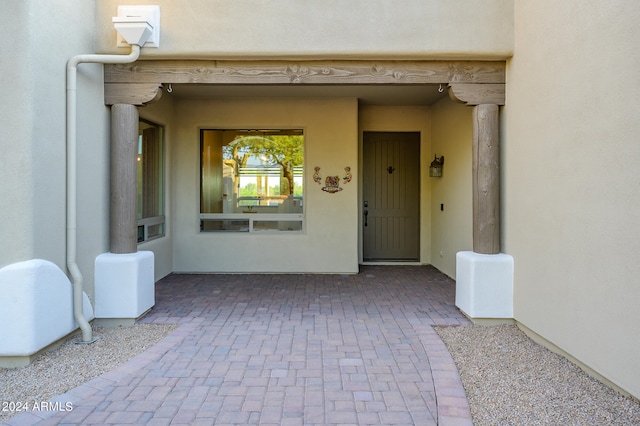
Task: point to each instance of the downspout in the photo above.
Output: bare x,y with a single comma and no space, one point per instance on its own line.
72,266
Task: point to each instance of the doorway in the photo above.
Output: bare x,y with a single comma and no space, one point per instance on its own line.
391,196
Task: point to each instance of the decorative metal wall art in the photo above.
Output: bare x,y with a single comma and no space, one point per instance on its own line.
347,176
316,176
332,183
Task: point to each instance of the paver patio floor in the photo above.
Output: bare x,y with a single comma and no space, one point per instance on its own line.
288,349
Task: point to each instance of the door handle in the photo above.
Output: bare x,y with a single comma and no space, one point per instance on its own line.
366,213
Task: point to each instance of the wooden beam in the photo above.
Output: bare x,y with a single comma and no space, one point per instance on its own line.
123,223
477,94
486,179
131,93
306,72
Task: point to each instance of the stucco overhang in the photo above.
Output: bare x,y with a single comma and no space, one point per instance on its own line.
336,29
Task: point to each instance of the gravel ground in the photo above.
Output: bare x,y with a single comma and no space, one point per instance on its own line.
511,380
56,372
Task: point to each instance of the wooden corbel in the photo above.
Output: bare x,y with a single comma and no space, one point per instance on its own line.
132,93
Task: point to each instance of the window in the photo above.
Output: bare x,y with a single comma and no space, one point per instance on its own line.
150,181
251,180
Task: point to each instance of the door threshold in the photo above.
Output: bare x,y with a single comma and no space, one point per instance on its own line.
387,262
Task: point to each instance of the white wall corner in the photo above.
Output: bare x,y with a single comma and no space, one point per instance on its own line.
484,285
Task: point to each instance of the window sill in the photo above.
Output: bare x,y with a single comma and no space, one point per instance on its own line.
252,222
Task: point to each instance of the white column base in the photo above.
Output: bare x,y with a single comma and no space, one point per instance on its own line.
124,285
484,284
36,309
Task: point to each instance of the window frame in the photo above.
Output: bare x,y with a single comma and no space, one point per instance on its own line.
145,223
253,218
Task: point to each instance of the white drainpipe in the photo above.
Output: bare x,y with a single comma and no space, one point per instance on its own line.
72,166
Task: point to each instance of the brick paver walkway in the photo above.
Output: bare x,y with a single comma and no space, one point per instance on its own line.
287,350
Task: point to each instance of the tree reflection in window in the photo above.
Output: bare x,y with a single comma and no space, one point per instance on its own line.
252,171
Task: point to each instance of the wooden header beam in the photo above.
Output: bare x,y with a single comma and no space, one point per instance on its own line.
306,72
471,82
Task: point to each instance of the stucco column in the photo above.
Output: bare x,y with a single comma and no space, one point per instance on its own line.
123,229
486,179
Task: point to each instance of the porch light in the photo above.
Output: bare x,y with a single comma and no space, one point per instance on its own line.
435,169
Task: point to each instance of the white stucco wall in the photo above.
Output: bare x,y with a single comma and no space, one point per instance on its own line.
329,243
407,29
571,201
451,228
43,37
16,175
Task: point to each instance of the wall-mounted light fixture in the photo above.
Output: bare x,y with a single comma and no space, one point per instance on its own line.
435,169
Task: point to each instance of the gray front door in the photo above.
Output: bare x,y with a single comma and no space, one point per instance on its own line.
391,189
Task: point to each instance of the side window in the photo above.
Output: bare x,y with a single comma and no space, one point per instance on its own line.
151,222
252,180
